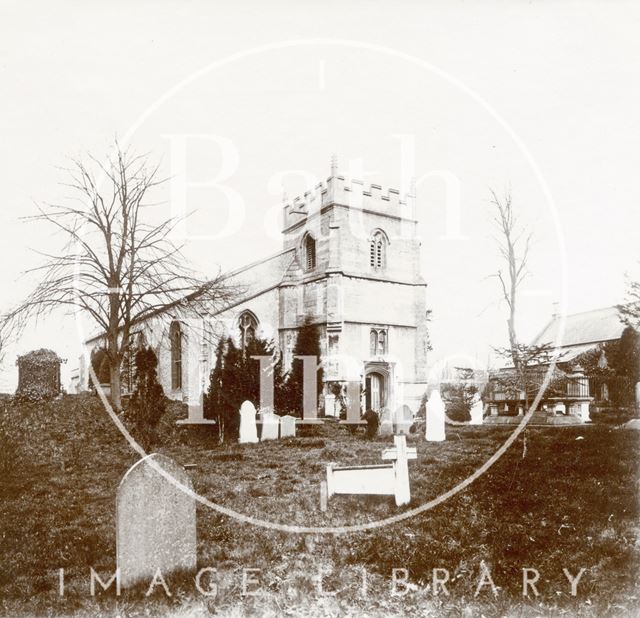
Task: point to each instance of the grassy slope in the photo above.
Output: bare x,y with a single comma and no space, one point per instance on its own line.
561,502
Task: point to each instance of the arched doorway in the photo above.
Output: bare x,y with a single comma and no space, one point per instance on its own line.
375,391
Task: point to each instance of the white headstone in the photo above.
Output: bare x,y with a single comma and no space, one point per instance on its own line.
403,420
584,412
435,418
477,410
330,406
270,426
386,423
248,429
155,521
288,426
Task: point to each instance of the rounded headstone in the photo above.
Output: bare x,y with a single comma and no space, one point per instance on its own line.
155,520
435,418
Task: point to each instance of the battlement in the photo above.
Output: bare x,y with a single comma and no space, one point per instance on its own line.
351,193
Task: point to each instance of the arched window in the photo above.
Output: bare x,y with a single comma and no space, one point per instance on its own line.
175,336
373,342
248,325
382,342
378,250
378,342
309,252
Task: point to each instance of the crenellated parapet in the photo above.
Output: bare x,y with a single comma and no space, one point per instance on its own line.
351,193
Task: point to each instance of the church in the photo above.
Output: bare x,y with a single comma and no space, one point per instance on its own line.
350,264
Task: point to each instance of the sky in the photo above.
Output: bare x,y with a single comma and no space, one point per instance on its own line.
539,99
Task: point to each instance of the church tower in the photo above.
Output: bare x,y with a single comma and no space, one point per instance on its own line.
355,273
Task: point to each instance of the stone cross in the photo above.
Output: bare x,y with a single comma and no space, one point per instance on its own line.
380,480
155,521
435,418
400,455
248,429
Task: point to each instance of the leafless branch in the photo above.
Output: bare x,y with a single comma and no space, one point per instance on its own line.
114,266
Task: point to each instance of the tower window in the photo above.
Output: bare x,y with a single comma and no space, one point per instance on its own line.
175,336
309,253
377,250
378,342
248,325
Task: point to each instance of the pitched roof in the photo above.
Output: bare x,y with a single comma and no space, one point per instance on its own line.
583,328
257,277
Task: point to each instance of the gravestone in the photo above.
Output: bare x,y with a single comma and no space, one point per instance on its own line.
386,423
248,429
435,418
288,426
270,426
378,480
403,420
477,410
584,412
560,408
155,521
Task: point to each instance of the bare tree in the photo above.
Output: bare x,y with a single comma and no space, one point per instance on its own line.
115,265
513,243
630,310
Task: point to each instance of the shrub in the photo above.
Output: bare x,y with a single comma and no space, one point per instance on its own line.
458,398
307,344
234,379
372,424
148,403
38,376
100,364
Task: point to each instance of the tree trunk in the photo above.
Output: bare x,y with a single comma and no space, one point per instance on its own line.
115,386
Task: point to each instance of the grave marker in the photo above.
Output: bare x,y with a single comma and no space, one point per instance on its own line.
435,418
270,426
248,429
560,408
155,521
403,419
477,411
288,426
380,480
386,422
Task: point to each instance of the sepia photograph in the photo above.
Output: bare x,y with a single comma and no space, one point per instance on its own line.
320,309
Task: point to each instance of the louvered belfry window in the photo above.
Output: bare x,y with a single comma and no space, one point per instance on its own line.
377,250
309,253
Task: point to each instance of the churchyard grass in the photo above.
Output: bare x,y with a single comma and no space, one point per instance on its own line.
561,497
